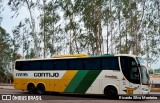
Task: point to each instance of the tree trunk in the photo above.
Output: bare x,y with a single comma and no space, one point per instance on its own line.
119,23
32,25
111,27
44,32
107,38
136,33
126,47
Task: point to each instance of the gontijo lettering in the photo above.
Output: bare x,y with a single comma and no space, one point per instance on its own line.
46,74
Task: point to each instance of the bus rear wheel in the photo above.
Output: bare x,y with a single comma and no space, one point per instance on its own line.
31,88
111,92
40,89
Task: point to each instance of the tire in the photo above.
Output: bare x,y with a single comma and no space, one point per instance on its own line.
31,88
111,92
40,89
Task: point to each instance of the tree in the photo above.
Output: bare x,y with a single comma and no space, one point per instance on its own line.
16,42
93,27
5,54
150,25
15,6
49,27
91,14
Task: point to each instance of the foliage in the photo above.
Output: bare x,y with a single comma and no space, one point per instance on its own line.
86,26
157,71
5,54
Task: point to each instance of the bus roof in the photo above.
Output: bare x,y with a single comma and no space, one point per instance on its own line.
128,55
71,55
77,56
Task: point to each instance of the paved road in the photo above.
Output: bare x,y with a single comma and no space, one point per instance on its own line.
67,98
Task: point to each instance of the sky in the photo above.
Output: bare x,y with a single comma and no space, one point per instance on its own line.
9,23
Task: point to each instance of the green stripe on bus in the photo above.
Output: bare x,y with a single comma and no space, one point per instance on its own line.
76,80
87,81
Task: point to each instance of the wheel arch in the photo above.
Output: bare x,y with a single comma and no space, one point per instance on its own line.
42,84
111,85
30,83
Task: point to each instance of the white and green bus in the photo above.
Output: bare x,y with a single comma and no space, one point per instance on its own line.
110,75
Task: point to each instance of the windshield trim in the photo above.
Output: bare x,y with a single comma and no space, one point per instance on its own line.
140,61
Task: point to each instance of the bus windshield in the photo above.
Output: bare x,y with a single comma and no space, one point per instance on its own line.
140,61
144,75
143,71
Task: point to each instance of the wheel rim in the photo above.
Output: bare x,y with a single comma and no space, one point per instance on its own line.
40,89
31,88
111,92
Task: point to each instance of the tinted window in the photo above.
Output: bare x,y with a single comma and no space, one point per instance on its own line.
110,63
22,65
92,63
18,65
75,64
61,65
35,65
48,65
130,69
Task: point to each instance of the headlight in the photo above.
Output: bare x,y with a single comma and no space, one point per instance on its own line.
144,89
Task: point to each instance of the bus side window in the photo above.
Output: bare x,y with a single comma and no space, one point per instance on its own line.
75,64
61,65
92,63
25,65
110,63
18,65
48,65
35,65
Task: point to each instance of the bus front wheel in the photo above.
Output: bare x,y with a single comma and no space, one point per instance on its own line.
111,92
40,88
31,88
